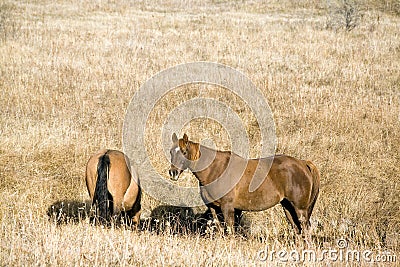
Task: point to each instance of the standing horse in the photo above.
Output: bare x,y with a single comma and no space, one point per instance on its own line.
225,178
111,186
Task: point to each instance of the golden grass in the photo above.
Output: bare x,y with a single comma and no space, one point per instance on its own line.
69,69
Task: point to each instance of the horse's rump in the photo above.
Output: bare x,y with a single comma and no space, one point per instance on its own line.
111,186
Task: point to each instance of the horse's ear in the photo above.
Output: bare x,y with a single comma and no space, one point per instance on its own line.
174,138
185,139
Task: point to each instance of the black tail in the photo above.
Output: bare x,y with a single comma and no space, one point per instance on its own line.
102,198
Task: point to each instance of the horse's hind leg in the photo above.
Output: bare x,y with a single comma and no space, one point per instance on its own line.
291,215
303,219
302,214
299,219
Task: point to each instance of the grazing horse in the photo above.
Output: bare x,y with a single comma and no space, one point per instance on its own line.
225,182
112,188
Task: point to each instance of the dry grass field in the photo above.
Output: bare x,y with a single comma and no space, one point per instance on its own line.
68,70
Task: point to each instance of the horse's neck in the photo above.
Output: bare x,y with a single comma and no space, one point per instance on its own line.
210,161
205,155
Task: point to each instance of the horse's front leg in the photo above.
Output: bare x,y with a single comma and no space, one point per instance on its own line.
229,216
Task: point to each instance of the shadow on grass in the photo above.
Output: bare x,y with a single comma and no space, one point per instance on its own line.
163,219
171,220
167,219
68,211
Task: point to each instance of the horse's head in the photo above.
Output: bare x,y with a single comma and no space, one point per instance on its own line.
183,152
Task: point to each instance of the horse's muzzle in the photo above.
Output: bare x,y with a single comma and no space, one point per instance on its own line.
174,174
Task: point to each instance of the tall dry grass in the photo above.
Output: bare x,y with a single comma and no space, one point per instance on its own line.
69,69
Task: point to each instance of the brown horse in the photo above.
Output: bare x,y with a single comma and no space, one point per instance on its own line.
112,188
225,182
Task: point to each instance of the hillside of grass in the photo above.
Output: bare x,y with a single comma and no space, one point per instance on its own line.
69,69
